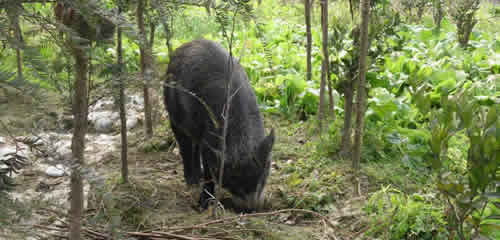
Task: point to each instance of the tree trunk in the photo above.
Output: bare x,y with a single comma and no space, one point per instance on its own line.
307,7
330,93
437,13
80,109
90,82
324,65
361,93
327,57
152,27
321,98
348,110
151,73
168,37
146,70
19,64
16,29
123,111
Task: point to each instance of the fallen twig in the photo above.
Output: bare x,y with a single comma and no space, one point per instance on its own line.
329,223
174,233
162,235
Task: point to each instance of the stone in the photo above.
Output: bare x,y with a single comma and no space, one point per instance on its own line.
6,150
104,125
131,122
55,171
136,100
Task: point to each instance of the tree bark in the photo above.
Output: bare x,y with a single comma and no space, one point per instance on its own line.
321,99
13,16
324,65
307,8
80,109
123,111
348,110
152,27
330,94
437,12
168,37
361,93
146,71
19,58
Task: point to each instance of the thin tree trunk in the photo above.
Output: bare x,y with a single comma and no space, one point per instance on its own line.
151,74
152,26
168,37
90,82
307,7
321,98
348,110
331,99
325,70
123,111
361,93
16,28
19,64
145,69
80,109
19,57
437,13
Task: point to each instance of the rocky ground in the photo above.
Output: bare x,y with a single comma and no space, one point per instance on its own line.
155,204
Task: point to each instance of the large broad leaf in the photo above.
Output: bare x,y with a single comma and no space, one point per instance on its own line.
446,86
423,100
492,116
494,62
485,100
383,102
451,188
465,111
419,134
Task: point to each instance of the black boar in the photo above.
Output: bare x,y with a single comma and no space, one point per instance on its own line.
194,92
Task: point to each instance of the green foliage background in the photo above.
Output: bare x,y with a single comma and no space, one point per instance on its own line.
412,67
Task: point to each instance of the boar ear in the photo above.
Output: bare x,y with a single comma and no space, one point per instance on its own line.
265,147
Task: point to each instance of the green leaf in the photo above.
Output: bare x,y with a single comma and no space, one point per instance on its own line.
485,100
423,101
436,142
492,116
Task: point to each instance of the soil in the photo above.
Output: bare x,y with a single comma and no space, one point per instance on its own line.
155,203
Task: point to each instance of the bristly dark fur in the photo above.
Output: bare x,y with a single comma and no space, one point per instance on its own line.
195,97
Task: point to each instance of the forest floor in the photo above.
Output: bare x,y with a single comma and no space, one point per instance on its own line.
156,204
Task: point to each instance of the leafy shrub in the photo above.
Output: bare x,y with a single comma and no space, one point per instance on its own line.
395,215
311,183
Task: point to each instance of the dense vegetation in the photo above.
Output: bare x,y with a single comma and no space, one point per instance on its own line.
430,159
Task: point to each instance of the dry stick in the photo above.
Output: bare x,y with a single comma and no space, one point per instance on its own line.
234,231
88,231
202,225
95,233
265,214
48,228
162,235
57,212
